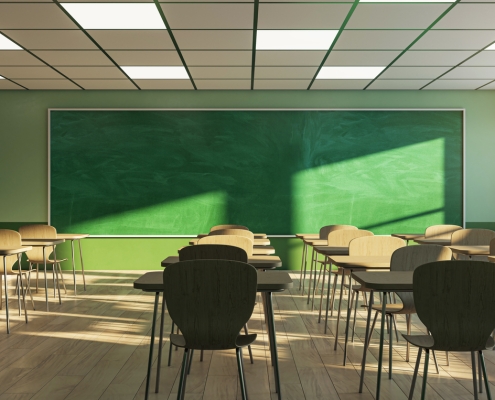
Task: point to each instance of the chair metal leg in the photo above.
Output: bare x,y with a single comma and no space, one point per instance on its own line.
366,344
311,274
415,375
372,328
170,349
479,374
18,290
348,318
485,377
62,276
303,266
338,313
152,344
82,264
240,368
37,276
323,288
73,267
56,275
390,353
249,347
201,355
354,321
447,358
189,363
182,382
29,288
334,290
160,347
328,294
6,293
435,361
425,375
408,345
392,318
475,384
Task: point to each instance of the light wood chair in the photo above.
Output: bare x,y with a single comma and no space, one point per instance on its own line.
210,301
35,256
220,227
472,237
12,239
339,238
244,243
235,232
454,300
441,231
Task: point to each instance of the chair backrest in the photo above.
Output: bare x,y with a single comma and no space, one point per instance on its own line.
325,230
492,247
238,241
467,237
454,300
375,245
441,231
342,238
220,227
38,232
235,232
213,252
409,258
210,300
9,240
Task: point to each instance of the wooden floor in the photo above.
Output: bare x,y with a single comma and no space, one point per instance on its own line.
95,346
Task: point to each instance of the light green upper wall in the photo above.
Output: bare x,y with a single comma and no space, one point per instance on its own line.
23,127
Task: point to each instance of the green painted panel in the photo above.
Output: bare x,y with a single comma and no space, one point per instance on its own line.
280,172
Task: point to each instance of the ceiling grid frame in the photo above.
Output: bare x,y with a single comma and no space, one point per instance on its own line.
255,32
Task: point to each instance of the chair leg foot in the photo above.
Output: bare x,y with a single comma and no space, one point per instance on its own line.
425,375
415,375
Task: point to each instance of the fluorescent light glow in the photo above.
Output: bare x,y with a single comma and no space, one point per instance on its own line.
7,44
116,15
406,1
294,39
1,77
349,72
156,72
492,47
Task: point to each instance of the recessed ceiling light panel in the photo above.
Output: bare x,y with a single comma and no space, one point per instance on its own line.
349,72
492,47
294,39
115,15
135,72
407,1
7,44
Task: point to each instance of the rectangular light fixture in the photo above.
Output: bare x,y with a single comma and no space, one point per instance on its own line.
349,72
294,39
407,1
115,15
492,47
7,44
135,72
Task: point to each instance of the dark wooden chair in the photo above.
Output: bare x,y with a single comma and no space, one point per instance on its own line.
219,227
210,301
454,300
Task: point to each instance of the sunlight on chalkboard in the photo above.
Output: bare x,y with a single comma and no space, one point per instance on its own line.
396,190
207,209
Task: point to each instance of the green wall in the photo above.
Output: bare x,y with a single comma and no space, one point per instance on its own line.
23,159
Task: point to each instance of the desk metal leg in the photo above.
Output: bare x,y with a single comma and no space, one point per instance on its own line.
6,293
160,345
46,280
349,312
302,266
55,274
367,338
82,264
339,311
152,342
380,354
73,267
273,342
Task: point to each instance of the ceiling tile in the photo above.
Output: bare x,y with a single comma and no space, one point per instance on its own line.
207,1
16,57
398,84
413,72
46,39
455,40
433,58
151,57
92,72
289,57
91,57
223,84
468,16
490,86
281,84
33,16
106,84
214,39
136,39
364,58
29,72
7,85
220,72
450,84
209,16
484,58
302,16
471,73
285,72
395,16
211,57
103,1
164,84
24,1
340,84
48,84
375,40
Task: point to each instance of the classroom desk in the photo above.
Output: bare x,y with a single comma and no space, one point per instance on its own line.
350,264
439,242
36,242
473,250
268,282
408,236
385,282
5,253
256,242
258,249
256,235
259,262
73,237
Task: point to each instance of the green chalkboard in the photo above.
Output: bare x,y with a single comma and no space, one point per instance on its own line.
173,172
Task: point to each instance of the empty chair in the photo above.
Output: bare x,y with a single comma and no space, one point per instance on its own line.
244,243
220,227
472,237
441,231
454,300
210,301
235,232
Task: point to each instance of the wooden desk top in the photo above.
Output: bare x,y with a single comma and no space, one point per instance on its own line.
9,252
308,236
361,262
479,250
316,242
259,262
72,236
390,281
41,242
270,281
256,235
332,250
256,242
408,236
440,242
263,250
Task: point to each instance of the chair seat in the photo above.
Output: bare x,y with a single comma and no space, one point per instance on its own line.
391,308
47,261
427,342
242,341
356,288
